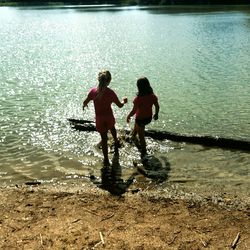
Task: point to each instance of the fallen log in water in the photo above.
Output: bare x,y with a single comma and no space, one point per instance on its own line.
82,125
210,141
229,143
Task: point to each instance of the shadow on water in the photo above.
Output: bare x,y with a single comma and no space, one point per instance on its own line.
155,168
152,167
111,178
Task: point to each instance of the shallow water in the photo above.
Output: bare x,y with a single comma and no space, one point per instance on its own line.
197,60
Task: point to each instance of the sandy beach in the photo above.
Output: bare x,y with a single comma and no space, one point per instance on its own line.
80,216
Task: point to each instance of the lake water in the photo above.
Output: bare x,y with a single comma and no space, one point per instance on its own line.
197,60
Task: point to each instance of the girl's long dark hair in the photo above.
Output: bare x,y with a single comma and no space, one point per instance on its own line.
144,87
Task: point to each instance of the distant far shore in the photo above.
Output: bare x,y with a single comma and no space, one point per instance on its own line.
122,2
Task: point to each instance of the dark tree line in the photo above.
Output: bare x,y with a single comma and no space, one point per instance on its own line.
129,2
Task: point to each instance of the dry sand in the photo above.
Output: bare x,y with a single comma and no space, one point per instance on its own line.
77,216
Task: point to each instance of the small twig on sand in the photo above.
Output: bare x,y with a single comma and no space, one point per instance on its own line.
111,230
91,212
235,242
97,244
75,221
172,241
108,217
102,240
33,183
204,243
41,240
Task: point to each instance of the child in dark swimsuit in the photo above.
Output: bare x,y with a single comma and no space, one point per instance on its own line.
103,97
142,110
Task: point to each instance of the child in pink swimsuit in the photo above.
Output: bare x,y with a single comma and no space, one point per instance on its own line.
142,110
103,97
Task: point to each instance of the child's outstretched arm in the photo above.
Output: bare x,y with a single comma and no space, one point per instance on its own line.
131,113
85,102
121,104
157,109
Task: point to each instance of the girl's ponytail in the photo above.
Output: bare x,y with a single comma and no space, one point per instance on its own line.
104,77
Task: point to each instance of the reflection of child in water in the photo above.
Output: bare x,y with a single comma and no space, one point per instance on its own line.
103,97
142,110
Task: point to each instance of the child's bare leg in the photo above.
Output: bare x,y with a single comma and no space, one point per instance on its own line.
141,133
114,134
104,137
134,132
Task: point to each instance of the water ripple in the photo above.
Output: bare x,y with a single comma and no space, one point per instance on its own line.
198,66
